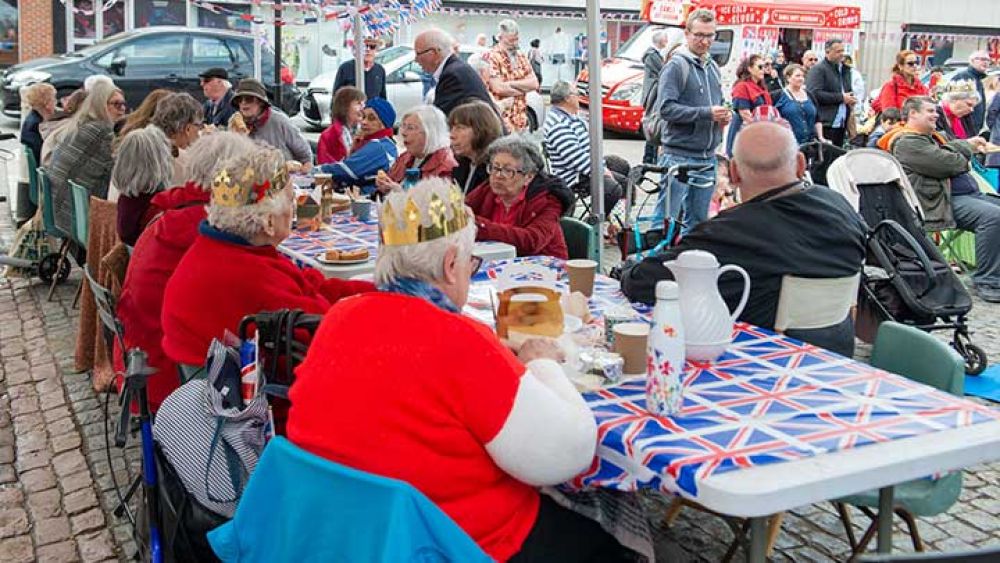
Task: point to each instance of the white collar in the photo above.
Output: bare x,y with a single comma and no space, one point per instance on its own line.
440,69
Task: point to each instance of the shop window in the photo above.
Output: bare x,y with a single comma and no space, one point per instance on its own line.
226,20
160,12
8,32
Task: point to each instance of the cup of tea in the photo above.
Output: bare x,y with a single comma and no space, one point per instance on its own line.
322,180
630,343
361,209
581,275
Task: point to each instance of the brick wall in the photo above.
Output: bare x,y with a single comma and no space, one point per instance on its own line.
36,28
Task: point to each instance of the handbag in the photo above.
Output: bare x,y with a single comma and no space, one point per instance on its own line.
30,243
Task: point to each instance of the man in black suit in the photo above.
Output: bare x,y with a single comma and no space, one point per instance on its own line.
455,82
830,82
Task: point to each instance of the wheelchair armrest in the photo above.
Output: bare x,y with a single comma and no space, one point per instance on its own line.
925,262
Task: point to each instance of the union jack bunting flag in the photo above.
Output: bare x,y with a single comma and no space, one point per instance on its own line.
768,399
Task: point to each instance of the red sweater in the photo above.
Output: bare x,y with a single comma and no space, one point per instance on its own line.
895,91
536,230
222,279
415,410
331,147
154,258
440,163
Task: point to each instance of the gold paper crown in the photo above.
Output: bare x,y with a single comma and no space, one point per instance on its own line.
961,86
233,188
410,228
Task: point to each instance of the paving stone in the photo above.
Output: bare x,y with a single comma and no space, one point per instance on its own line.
76,481
34,460
62,552
7,474
45,504
11,497
13,522
38,480
91,520
6,454
17,550
69,462
962,531
79,501
96,547
952,544
31,441
52,530
57,413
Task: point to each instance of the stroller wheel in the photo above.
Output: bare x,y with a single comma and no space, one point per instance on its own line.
50,266
975,360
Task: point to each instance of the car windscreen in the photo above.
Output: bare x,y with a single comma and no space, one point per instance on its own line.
100,45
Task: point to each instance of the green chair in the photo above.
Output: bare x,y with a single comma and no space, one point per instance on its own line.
29,158
916,355
81,213
60,265
958,247
580,238
48,215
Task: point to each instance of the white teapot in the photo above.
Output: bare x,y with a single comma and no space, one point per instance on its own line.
708,323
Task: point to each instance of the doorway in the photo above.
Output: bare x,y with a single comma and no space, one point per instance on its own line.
795,42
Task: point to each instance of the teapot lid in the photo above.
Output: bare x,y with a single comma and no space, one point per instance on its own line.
697,259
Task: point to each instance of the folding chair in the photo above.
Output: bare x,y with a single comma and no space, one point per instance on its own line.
57,263
581,238
812,309
106,311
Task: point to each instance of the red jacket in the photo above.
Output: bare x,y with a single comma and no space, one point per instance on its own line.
154,258
536,231
222,279
895,91
440,163
331,147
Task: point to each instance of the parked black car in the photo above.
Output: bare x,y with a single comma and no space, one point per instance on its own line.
142,60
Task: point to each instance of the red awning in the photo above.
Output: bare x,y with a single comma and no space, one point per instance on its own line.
801,14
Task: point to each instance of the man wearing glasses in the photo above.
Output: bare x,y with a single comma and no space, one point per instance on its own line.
218,106
979,62
830,81
691,107
374,73
454,81
809,60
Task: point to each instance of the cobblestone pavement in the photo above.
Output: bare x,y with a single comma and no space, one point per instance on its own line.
57,495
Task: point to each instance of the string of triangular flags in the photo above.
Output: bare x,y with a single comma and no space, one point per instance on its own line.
374,16
107,5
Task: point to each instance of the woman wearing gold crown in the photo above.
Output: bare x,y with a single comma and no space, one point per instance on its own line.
455,413
233,268
958,100
520,203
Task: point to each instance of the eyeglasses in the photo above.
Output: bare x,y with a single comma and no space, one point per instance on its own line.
119,105
760,67
812,59
409,127
703,36
425,51
501,172
476,262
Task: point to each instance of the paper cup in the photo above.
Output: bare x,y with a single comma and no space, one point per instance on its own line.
361,209
581,276
323,180
630,343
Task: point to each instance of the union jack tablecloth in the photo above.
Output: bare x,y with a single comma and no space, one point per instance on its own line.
343,232
768,399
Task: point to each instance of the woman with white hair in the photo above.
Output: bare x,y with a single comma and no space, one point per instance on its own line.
471,425
82,150
161,246
956,115
428,148
233,268
143,167
181,118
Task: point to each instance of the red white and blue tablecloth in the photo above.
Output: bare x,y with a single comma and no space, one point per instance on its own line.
768,399
342,232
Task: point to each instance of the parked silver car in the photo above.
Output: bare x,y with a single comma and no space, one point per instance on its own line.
404,86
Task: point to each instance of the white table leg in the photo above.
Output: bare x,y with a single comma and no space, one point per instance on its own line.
758,540
885,513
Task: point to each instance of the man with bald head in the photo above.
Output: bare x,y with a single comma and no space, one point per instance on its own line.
454,82
783,226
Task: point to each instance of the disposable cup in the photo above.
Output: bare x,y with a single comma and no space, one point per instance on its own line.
581,275
630,343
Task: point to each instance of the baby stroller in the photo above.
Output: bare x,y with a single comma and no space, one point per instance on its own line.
819,157
905,278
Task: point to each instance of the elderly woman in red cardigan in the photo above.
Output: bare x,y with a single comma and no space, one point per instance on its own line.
428,147
159,249
521,204
233,268
456,414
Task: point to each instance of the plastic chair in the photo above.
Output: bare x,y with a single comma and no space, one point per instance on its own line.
81,213
916,355
579,238
299,506
49,222
29,158
816,310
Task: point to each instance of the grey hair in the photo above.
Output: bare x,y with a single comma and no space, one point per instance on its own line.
435,126
249,221
143,163
202,160
560,91
978,54
439,39
423,261
94,107
831,43
660,35
782,154
177,111
521,149
507,26
958,95
93,79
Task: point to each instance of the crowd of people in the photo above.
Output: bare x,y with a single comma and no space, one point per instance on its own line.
204,198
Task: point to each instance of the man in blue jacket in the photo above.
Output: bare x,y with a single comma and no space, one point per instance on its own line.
979,62
691,106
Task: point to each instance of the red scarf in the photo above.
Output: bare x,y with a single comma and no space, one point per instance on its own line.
362,141
955,121
260,120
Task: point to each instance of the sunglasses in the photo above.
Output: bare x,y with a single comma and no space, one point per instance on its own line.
911,63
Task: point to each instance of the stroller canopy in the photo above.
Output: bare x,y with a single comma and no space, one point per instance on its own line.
869,166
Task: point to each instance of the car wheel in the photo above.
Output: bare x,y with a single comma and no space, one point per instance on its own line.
532,120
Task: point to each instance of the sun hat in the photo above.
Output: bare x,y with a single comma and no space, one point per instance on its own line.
250,87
